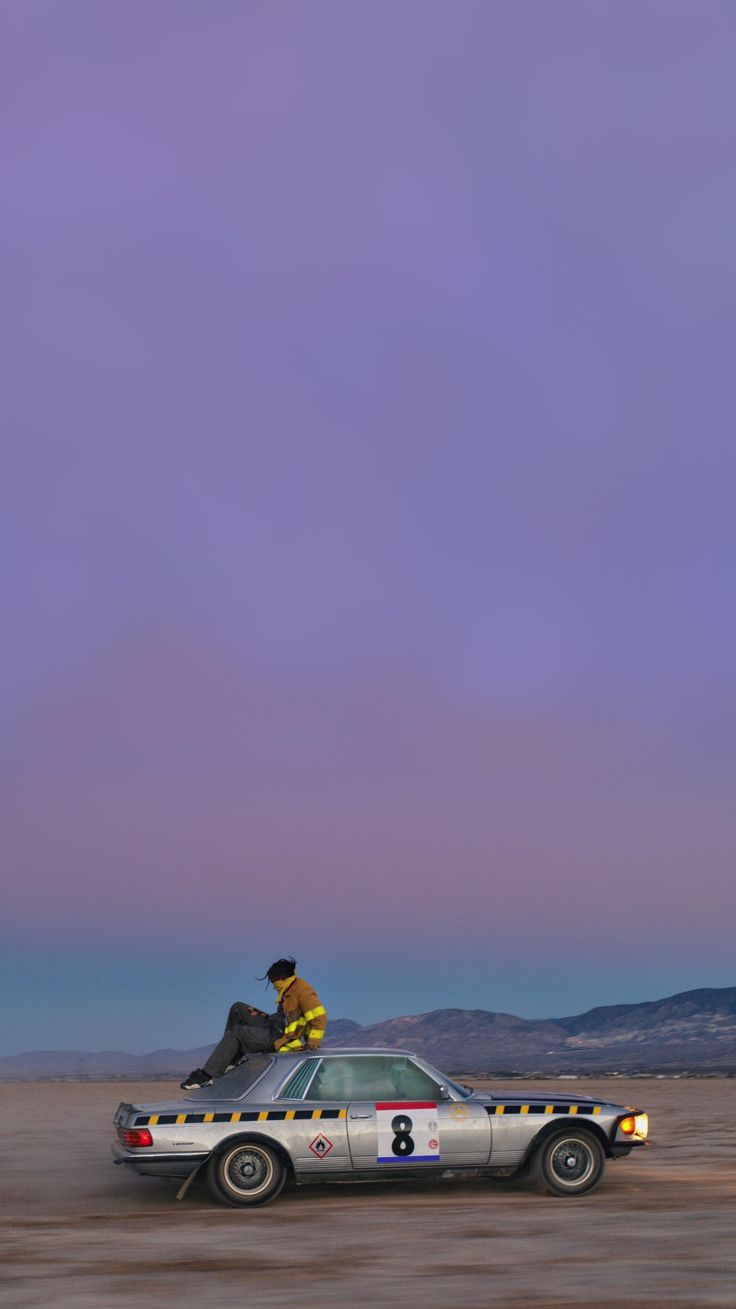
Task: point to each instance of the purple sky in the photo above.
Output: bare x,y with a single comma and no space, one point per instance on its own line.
367,524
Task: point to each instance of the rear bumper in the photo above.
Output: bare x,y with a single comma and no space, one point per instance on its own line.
157,1165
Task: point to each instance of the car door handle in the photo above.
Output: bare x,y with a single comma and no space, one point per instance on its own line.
361,1115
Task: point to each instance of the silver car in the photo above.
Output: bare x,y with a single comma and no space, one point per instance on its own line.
351,1113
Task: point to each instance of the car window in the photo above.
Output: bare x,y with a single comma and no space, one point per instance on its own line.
237,1083
414,1083
372,1077
299,1081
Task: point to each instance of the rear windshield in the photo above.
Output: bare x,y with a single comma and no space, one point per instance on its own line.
235,1084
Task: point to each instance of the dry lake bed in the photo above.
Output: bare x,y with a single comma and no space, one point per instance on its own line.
77,1232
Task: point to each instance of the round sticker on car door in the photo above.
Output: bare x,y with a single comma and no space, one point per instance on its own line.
407,1131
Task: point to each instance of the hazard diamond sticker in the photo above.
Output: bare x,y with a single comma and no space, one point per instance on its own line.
320,1146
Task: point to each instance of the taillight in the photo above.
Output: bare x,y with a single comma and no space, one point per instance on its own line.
135,1136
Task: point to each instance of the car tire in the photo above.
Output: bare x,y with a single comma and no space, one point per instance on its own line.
245,1174
569,1162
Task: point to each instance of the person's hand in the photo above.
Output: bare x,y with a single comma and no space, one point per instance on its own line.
312,1045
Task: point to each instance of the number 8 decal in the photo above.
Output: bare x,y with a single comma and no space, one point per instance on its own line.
407,1132
403,1143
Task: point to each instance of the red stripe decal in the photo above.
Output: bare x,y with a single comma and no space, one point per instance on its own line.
406,1104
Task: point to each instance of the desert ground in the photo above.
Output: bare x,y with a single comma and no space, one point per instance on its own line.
660,1231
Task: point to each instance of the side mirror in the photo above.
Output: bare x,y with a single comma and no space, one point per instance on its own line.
444,1093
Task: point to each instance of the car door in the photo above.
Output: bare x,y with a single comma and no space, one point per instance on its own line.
314,1131
404,1118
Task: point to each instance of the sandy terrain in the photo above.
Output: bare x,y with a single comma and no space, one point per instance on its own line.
75,1231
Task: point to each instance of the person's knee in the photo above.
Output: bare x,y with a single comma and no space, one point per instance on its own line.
236,1013
252,1041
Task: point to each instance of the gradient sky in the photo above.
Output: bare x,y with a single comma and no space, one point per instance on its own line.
367,525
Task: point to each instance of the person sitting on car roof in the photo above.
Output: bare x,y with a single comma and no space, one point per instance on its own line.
299,1023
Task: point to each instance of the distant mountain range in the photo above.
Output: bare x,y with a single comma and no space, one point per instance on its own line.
694,1031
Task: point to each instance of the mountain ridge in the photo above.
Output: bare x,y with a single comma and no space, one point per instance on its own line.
689,1031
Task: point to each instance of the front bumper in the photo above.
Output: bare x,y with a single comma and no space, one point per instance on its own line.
620,1149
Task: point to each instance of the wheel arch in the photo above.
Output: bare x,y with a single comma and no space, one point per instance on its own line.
260,1138
558,1126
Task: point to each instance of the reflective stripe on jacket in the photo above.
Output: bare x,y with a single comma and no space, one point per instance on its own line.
305,1018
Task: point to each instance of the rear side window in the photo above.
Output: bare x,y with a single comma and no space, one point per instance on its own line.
298,1082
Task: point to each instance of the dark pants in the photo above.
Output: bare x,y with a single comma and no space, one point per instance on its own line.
245,1033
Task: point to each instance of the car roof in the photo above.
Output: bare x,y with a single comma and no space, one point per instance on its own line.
261,1072
360,1049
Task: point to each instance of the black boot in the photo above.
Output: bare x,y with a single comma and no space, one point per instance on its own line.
196,1079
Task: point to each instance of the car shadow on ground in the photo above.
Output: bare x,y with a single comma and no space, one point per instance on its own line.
415,1188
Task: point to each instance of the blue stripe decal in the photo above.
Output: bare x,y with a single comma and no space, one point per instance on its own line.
412,1159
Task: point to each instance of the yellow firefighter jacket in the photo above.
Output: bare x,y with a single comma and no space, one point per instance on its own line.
305,1019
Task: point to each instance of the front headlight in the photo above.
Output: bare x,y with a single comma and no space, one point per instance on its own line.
642,1126
635,1126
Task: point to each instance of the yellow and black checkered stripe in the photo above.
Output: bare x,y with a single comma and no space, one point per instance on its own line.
301,1115
241,1116
498,1109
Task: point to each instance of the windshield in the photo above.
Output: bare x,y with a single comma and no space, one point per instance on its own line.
235,1084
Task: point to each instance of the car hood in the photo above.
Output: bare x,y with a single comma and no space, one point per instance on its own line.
540,1096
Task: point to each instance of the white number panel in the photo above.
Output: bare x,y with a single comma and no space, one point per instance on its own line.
408,1131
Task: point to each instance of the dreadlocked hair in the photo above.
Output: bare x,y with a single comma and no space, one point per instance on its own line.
281,968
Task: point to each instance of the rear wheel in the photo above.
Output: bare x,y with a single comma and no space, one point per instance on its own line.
569,1162
246,1174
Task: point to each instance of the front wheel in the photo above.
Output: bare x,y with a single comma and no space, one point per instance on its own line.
245,1174
569,1163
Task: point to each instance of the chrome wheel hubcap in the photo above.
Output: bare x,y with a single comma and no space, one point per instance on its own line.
572,1162
247,1170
